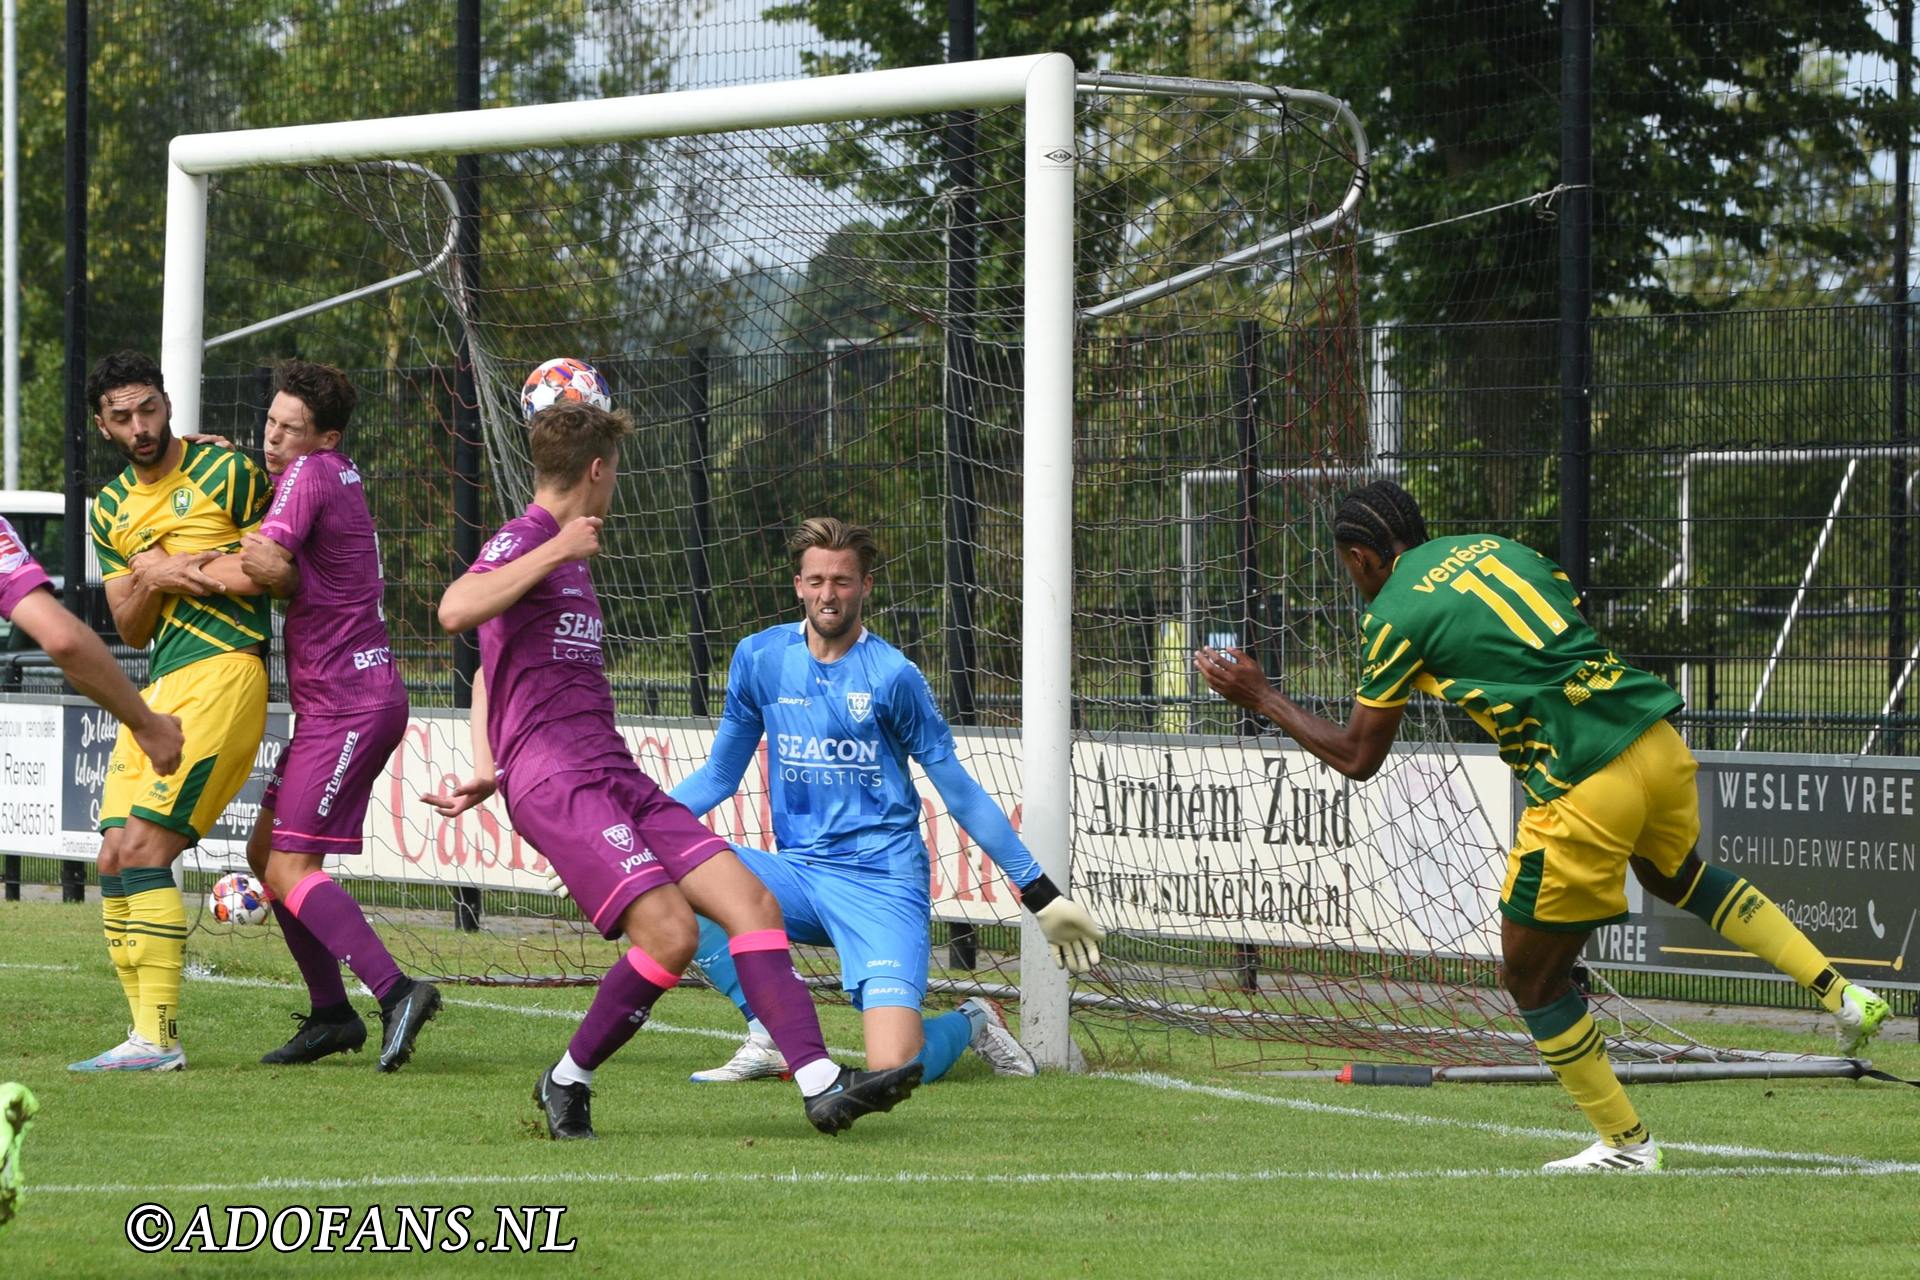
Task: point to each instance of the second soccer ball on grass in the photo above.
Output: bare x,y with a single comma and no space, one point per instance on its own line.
238,898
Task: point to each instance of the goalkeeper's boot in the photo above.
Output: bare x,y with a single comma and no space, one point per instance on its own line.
1640,1157
568,1108
858,1093
136,1053
994,1042
755,1059
16,1110
315,1039
1859,1017
403,1013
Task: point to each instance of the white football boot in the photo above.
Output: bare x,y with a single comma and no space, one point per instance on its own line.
136,1053
755,1059
1641,1157
994,1042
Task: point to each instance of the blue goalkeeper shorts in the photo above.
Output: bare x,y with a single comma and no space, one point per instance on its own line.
877,922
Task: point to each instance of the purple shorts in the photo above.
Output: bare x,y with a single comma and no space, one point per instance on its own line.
320,787
612,835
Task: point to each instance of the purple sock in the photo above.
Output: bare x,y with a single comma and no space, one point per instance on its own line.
317,964
619,1007
331,915
777,997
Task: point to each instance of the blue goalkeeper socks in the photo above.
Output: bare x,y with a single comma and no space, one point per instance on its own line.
715,960
947,1035
947,1038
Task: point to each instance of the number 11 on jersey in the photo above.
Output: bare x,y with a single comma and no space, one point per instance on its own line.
1470,583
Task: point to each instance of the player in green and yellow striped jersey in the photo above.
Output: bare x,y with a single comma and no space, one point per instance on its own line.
166,531
1493,627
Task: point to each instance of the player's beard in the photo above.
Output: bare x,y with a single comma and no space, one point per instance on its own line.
131,449
834,628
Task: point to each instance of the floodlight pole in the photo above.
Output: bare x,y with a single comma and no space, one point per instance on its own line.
1576,290
11,198
79,592
467,431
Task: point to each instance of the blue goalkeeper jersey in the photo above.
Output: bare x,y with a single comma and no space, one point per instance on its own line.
839,736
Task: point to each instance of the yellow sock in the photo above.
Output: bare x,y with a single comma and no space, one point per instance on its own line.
158,917
121,948
1747,918
1572,1046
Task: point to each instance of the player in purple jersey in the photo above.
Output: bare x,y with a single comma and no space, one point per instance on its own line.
27,601
635,860
350,710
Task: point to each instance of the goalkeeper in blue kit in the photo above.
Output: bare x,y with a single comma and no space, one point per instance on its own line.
842,711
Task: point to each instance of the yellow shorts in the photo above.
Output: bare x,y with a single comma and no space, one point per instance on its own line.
1567,870
222,705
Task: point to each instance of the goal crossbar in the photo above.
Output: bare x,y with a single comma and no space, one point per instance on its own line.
1043,83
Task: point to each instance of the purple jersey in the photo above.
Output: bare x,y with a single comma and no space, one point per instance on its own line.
549,707
20,573
339,657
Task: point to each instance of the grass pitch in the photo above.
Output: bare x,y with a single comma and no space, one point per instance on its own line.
1165,1169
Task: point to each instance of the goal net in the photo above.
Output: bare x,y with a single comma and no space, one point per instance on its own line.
1084,351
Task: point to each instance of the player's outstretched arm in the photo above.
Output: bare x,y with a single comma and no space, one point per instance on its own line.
451,804
716,780
1073,935
1356,749
93,672
482,594
739,734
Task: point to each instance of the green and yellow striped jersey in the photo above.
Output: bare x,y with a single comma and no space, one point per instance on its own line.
1492,626
204,504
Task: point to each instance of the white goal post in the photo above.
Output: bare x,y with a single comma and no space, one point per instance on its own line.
1044,83
1043,90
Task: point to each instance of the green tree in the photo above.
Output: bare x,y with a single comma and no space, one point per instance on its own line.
1462,103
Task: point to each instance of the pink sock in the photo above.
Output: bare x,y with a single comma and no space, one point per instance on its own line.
619,1007
331,915
317,965
777,996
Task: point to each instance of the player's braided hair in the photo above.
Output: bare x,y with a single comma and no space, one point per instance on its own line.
1380,516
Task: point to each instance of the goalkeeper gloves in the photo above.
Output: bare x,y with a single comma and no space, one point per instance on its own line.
1073,935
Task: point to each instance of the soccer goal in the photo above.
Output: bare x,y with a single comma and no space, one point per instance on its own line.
1084,349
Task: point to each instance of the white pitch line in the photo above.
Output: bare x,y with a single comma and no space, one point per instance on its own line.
1153,1080
491,1006
1182,1177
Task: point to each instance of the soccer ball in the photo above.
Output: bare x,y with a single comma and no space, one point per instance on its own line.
564,378
238,898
